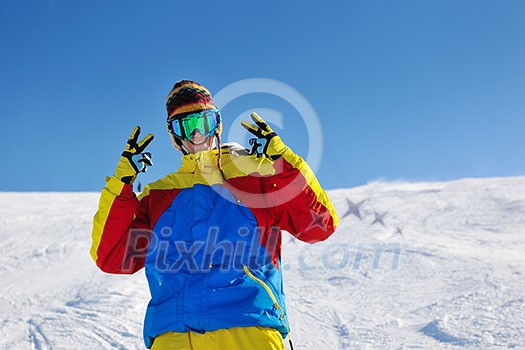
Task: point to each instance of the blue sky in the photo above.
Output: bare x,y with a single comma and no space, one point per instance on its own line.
415,90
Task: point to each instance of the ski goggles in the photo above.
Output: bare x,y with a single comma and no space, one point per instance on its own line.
183,126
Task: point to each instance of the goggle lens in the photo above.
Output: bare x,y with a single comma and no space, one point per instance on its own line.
184,126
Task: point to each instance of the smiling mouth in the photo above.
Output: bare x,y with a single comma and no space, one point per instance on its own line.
199,142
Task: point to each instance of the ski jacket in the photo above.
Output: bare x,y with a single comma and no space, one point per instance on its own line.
211,248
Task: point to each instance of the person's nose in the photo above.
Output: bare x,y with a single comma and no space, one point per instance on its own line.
197,135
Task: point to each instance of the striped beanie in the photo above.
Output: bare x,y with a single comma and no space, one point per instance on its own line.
188,96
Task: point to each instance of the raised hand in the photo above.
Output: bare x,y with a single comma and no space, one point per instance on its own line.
272,145
134,160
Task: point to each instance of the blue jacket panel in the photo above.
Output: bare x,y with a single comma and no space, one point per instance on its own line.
207,269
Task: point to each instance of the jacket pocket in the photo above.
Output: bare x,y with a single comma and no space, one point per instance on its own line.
270,294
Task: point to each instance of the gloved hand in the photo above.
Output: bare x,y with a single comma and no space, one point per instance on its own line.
272,145
133,160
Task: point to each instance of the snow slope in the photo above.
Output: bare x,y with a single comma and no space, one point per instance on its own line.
444,268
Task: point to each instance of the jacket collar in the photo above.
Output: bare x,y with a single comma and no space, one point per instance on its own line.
204,162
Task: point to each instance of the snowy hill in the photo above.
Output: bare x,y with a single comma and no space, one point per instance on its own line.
411,266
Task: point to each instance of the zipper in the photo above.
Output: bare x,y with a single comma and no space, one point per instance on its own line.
270,293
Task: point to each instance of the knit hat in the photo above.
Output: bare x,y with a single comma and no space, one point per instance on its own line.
188,96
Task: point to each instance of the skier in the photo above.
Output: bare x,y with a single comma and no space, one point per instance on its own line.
209,235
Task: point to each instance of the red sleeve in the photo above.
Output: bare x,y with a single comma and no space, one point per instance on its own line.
120,229
302,207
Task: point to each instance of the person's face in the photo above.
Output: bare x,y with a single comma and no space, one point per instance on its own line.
198,143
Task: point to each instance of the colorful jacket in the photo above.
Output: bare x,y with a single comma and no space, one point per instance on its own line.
211,248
